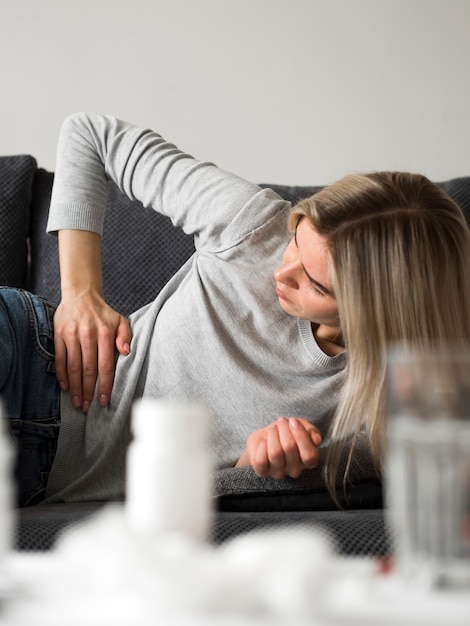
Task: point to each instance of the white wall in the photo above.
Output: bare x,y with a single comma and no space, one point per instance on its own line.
292,91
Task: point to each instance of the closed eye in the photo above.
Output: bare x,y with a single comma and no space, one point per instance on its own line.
314,284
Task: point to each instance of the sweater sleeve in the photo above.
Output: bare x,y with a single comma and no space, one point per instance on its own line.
204,200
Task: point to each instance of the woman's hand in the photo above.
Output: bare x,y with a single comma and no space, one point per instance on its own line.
86,333
286,447
86,330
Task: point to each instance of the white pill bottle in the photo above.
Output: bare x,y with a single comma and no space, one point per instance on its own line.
168,474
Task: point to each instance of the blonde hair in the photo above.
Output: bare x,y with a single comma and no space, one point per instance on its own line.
399,251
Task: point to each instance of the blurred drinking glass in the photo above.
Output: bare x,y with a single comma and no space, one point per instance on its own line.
427,471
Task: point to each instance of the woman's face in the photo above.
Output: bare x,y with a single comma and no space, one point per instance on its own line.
303,283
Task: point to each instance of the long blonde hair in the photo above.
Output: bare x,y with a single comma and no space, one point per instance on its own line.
399,251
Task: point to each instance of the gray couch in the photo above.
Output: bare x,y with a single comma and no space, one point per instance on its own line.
135,268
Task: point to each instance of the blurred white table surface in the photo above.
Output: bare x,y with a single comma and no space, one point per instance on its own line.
103,574
356,594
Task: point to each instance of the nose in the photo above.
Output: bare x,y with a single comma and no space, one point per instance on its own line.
287,273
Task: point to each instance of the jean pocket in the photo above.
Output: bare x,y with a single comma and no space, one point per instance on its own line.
35,449
41,320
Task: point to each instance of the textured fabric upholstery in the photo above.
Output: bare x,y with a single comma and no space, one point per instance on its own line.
354,533
240,489
136,259
293,193
136,262
459,190
44,276
16,179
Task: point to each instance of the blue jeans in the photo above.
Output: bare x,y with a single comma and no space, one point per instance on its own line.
29,390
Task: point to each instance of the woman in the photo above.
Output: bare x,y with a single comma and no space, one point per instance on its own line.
399,256
369,260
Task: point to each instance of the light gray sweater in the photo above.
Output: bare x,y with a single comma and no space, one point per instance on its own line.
215,334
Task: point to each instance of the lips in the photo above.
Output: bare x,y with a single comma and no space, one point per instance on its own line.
279,294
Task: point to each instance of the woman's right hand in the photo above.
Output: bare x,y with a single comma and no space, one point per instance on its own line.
286,447
86,333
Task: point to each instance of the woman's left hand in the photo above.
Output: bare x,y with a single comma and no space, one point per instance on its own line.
286,447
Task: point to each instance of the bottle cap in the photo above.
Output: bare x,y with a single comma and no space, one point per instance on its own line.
163,420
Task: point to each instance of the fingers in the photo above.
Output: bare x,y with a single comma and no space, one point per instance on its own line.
307,440
84,379
61,363
123,337
106,358
77,367
260,461
105,365
85,354
285,448
68,362
283,455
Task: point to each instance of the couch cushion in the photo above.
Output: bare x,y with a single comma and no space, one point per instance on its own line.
141,252
16,178
354,533
141,249
292,193
457,188
136,240
240,489
44,276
